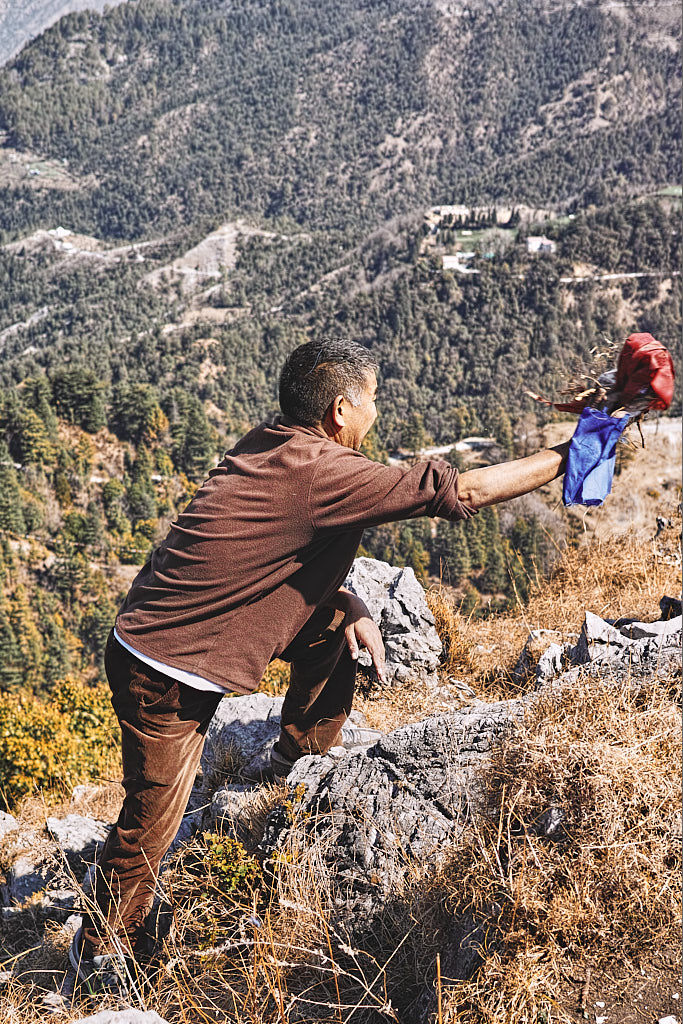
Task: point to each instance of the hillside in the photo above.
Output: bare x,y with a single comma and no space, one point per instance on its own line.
20,22
338,114
552,893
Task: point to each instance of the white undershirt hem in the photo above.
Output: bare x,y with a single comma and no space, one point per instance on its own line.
189,678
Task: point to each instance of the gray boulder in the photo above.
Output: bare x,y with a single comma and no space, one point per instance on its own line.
619,648
77,836
397,603
377,810
239,731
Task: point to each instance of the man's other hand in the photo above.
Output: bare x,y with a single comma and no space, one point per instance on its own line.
361,630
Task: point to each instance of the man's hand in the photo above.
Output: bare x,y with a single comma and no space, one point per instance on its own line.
361,630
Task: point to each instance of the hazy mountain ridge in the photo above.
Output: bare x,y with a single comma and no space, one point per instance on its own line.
21,21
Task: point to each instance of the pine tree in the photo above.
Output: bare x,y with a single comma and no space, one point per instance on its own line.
494,577
196,445
32,439
37,395
11,513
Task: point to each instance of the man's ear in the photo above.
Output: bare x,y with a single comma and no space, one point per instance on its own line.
338,411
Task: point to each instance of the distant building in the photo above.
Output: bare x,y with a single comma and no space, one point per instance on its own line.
458,262
539,243
450,211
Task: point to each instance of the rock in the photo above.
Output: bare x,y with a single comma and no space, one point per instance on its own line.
662,628
626,647
670,607
122,1017
227,803
598,641
397,603
77,836
7,823
551,662
240,729
402,799
31,870
534,649
42,864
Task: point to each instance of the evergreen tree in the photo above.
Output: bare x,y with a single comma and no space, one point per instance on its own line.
11,511
195,446
32,439
37,395
77,396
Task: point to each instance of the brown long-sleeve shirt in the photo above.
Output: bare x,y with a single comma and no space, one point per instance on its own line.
269,537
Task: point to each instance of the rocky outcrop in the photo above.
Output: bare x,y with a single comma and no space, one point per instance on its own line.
397,604
374,812
619,648
370,814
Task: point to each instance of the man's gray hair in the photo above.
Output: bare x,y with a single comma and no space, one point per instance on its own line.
315,373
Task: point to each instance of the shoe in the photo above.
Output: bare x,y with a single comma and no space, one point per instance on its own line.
353,738
356,737
109,974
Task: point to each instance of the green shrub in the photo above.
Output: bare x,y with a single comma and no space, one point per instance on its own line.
70,737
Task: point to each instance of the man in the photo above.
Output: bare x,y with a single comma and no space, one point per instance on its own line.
250,571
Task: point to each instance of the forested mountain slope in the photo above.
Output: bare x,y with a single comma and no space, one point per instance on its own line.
189,190
338,113
454,350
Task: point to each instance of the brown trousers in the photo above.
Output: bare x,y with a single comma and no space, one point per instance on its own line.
163,725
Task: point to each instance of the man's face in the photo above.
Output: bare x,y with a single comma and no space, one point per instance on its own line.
359,418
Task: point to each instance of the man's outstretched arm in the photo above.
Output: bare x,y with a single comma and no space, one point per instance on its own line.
492,484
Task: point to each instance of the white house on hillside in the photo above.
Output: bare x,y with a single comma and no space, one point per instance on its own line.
539,243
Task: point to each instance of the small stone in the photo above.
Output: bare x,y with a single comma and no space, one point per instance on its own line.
7,823
668,1020
54,1003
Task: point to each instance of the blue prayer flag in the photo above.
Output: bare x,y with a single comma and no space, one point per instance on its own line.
591,458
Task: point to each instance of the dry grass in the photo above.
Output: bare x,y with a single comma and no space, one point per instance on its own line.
605,886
